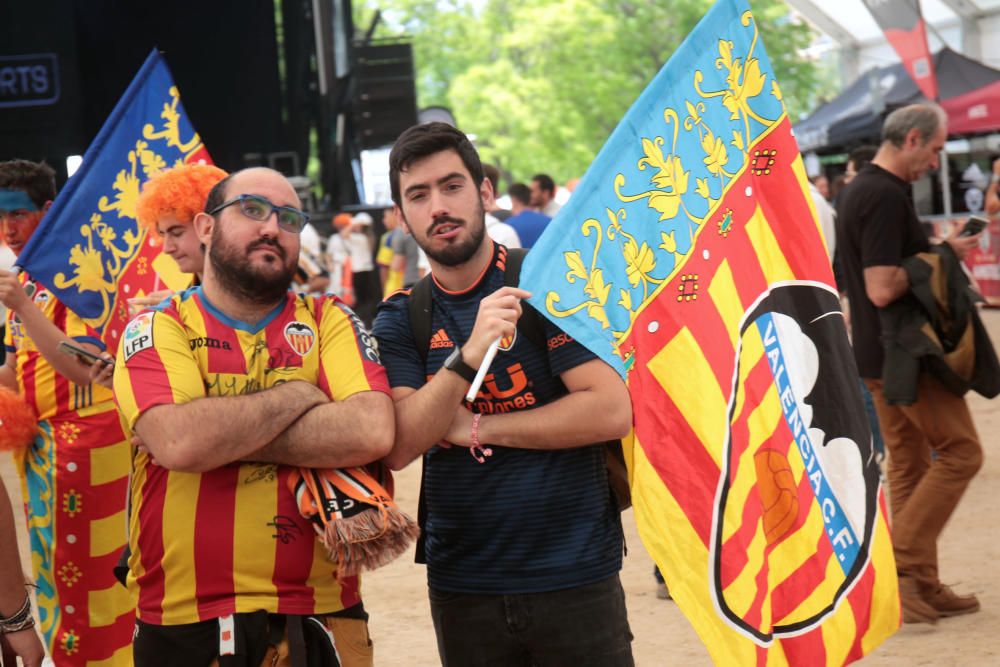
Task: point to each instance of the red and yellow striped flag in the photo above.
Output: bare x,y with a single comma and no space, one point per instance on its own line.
694,263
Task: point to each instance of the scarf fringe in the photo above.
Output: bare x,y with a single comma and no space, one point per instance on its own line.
369,540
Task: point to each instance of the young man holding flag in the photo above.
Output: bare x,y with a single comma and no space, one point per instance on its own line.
75,473
522,539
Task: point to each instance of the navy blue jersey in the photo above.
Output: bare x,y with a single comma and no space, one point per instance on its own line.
527,520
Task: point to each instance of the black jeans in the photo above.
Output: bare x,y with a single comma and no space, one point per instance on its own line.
576,627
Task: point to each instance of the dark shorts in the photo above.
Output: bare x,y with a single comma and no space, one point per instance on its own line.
582,626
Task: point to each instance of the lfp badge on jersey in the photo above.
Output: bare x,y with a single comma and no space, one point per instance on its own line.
138,334
799,478
300,336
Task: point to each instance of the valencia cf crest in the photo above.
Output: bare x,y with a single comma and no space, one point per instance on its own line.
798,475
300,337
507,342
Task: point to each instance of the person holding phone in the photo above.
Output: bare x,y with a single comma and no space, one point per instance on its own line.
974,226
75,472
877,230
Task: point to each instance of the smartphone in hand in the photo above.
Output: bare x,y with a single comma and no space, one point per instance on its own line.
85,356
973,226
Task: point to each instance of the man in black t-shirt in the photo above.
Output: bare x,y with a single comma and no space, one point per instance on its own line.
877,228
522,539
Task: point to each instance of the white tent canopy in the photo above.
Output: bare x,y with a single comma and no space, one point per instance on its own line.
970,27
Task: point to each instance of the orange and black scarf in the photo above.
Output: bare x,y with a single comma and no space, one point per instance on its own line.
354,515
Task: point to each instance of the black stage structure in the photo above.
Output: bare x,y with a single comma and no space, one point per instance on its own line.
265,82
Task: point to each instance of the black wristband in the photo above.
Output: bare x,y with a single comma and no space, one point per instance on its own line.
455,363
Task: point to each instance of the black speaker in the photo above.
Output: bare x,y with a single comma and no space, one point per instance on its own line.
385,95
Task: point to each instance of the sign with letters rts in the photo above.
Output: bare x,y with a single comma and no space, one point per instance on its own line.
29,80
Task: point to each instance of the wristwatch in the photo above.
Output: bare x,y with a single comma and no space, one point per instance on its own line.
455,363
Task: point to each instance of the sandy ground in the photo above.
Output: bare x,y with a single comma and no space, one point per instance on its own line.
396,596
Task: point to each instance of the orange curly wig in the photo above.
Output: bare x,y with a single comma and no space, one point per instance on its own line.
180,192
18,423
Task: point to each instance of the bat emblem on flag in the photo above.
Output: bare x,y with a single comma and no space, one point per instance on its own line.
807,463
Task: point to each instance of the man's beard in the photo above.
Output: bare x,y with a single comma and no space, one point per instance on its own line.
455,254
239,277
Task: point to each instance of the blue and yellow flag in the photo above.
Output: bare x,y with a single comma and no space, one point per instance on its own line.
89,250
690,258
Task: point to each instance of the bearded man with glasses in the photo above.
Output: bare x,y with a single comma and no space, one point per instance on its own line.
227,388
75,472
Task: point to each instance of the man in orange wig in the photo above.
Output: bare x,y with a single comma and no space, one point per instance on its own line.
167,206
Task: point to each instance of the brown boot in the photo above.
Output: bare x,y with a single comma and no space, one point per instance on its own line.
947,603
915,608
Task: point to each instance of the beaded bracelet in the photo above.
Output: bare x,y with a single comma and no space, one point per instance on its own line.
477,450
21,620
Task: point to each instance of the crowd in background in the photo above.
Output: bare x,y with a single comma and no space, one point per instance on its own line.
362,267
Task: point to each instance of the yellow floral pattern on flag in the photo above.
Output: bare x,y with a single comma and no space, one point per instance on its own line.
90,250
101,258
648,266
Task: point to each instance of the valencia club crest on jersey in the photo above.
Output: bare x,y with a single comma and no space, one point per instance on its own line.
300,337
507,342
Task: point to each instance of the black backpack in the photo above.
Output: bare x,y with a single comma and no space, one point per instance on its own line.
532,328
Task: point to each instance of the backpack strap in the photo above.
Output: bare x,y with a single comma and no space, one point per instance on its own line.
420,315
530,324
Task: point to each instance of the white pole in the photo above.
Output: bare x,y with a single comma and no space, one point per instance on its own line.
945,182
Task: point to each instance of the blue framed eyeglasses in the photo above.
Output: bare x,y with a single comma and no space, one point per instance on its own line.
260,209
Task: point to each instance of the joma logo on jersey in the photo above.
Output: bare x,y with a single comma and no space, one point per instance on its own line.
212,343
300,336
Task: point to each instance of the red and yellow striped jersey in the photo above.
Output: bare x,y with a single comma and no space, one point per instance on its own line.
232,540
48,392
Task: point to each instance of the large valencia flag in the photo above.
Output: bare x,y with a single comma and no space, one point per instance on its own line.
691,259
904,27
89,249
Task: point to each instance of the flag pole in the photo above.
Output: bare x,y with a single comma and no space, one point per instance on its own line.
491,352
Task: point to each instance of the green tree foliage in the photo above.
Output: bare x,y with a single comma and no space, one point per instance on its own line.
542,83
